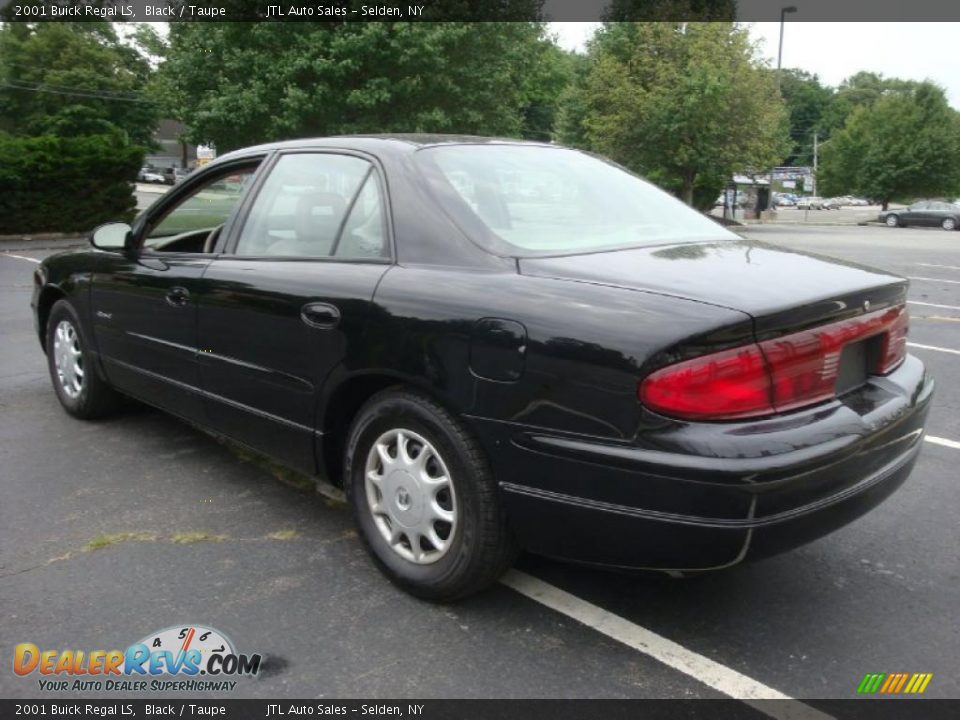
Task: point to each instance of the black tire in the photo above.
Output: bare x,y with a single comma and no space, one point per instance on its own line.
949,224
892,221
481,546
95,398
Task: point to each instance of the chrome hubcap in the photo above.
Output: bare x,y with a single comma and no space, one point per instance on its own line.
949,224
68,358
410,496
892,220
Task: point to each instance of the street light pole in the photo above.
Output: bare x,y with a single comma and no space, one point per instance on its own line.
783,14
783,17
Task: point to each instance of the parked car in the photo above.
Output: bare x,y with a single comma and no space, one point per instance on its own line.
810,203
149,175
831,203
849,200
930,213
179,174
599,373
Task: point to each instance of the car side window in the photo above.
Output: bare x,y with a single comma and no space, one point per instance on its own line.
316,205
188,225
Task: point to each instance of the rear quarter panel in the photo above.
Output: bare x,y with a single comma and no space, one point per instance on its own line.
587,344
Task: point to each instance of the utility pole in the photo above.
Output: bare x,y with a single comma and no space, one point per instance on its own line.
814,162
784,11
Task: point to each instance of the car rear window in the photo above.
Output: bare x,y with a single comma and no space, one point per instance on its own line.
525,200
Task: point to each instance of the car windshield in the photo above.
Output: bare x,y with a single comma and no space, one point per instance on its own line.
536,200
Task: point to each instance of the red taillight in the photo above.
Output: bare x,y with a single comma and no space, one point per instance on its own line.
725,385
895,341
775,375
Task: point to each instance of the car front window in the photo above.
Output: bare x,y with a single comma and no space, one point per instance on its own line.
204,209
537,200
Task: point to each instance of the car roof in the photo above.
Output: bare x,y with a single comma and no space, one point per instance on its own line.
378,143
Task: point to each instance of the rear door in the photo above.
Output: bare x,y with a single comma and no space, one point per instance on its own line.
940,211
145,302
918,214
289,295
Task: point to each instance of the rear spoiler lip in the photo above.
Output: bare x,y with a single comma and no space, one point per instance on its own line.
840,306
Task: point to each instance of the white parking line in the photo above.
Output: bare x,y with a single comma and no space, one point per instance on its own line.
917,277
933,347
21,257
934,305
945,267
943,441
719,677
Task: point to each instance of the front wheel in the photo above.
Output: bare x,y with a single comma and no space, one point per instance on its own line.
892,221
949,224
424,498
81,391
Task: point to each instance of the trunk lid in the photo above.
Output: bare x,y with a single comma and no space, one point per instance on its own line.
780,289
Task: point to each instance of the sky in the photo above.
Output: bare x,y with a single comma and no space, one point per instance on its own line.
834,51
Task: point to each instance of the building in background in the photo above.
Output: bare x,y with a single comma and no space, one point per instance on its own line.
172,151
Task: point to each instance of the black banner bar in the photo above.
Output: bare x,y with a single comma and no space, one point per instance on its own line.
233,709
474,10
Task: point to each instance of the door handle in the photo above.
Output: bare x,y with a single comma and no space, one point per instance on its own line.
323,316
178,296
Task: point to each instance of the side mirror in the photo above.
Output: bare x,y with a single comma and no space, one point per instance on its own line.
111,236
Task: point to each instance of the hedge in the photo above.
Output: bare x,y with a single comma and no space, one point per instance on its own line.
65,184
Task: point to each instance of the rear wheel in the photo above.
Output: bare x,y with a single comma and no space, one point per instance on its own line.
892,221
424,498
949,224
81,391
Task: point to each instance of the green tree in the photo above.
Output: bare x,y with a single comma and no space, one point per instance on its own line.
905,143
550,73
807,101
860,90
74,78
572,104
235,84
688,105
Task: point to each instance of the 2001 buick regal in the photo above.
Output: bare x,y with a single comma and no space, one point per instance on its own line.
498,345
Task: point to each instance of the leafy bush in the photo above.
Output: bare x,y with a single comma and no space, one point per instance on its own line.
66,184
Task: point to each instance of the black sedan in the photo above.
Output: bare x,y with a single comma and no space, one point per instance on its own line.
930,213
497,345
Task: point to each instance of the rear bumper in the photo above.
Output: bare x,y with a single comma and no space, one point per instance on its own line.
693,497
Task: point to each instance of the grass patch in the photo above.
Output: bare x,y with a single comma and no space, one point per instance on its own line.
107,539
283,535
187,538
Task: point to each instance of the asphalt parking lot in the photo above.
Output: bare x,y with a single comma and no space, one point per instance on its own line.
111,530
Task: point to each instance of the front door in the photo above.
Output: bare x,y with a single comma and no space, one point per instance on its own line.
284,301
144,303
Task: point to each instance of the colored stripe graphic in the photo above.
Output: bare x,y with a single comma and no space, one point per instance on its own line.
890,681
894,683
871,682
